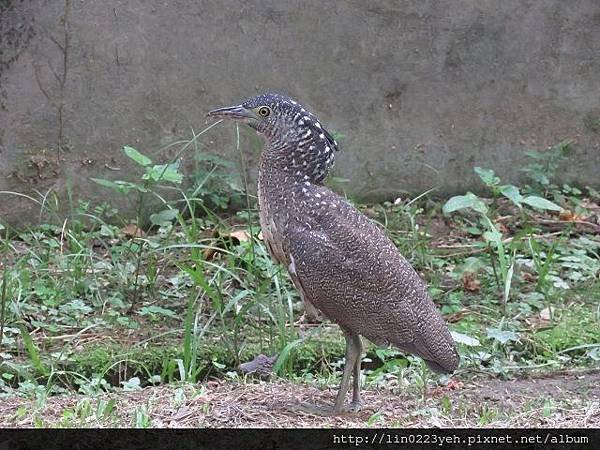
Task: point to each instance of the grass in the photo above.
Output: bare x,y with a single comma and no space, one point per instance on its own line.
99,304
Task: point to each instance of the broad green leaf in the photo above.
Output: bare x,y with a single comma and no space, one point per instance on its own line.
512,193
587,243
142,160
384,353
164,217
155,379
218,365
471,264
121,186
502,336
488,176
464,339
493,236
541,203
133,384
558,282
594,353
473,230
153,309
164,172
469,200
105,183
214,159
106,231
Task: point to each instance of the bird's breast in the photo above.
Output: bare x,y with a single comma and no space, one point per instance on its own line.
272,234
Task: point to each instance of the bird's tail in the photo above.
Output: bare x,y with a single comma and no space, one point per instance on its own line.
435,343
448,366
441,362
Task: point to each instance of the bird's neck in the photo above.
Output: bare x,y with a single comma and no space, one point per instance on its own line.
295,163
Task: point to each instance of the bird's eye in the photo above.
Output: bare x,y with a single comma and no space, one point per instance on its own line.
264,111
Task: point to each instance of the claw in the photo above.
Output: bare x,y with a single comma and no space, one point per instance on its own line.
355,407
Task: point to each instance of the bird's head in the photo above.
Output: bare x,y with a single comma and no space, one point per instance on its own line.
290,129
277,116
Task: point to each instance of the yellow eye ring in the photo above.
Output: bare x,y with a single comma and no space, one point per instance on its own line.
264,111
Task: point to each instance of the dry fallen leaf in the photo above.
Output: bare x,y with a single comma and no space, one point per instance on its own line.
451,386
454,384
457,316
502,228
540,320
568,216
132,231
240,235
529,277
470,282
236,236
182,413
546,313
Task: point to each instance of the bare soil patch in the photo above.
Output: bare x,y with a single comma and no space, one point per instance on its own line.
558,400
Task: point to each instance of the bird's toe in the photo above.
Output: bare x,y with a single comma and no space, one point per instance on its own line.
355,406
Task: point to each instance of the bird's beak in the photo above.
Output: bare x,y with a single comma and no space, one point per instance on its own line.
233,112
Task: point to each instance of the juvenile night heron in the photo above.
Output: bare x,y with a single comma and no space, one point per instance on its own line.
339,260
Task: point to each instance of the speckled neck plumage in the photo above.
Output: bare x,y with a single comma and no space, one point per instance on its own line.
302,161
304,152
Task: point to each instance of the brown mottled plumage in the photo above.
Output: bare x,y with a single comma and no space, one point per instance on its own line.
339,260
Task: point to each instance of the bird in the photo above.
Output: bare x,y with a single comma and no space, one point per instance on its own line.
340,261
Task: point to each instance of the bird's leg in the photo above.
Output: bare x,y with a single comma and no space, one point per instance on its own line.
351,366
353,349
355,405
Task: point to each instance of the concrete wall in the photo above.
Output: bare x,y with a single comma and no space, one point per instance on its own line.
422,90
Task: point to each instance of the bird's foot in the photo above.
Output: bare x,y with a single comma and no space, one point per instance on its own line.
326,411
355,406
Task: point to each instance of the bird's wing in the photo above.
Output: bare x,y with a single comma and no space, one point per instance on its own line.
354,274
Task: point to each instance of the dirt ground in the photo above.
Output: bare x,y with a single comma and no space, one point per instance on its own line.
560,400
